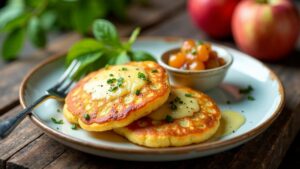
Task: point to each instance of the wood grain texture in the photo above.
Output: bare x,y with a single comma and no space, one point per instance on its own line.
37,154
24,133
264,152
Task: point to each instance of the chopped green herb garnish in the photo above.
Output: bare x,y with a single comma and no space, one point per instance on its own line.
188,95
169,119
58,110
176,99
54,120
73,126
111,75
199,42
113,88
124,68
251,98
111,81
193,52
106,66
120,81
228,102
86,117
154,71
173,106
247,90
142,76
137,92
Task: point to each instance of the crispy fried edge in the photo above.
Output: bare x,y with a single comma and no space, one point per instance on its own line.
134,115
156,141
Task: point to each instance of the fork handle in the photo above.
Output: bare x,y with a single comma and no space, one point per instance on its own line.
6,126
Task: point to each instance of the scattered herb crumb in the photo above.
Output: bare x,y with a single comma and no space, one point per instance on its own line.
73,126
173,106
137,92
154,71
54,120
111,75
142,76
111,81
247,90
251,98
193,52
113,88
124,68
58,111
169,119
188,95
228,102
86,117
120,81
199,42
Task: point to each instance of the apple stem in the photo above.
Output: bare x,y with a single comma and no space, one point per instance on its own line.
262,1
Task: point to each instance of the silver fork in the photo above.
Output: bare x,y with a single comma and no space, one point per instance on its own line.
58,91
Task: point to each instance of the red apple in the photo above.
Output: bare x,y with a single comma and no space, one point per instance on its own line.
266,29
213,16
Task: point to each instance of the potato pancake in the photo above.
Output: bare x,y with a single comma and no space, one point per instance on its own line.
115,96
187,117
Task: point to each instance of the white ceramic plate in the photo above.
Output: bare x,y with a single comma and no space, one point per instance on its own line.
260,113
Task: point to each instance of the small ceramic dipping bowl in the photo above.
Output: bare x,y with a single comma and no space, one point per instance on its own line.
198,79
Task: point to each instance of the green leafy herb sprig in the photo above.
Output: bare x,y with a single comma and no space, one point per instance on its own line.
35,18
105,49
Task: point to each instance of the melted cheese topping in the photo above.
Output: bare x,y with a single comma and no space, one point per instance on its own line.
230,122
177,106
116,81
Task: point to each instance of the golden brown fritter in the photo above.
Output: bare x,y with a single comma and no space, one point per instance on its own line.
116,96
187,117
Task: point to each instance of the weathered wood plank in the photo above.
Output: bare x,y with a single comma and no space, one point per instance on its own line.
291,159
37,154
24,133
270,146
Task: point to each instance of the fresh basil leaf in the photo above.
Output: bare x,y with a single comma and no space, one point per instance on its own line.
47,19
7,14
92,9
105,32
122,58
85,61
19,21
82,22
141,56
13,43
36,32
83,47
134,35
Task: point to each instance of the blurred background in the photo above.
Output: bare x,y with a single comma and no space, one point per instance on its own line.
31,24
31,30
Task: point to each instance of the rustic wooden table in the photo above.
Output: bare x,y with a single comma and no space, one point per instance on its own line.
29,147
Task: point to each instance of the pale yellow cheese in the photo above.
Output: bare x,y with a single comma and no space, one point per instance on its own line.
230,122
185,106
100,88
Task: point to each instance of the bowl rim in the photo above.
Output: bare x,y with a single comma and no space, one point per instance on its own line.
223,67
